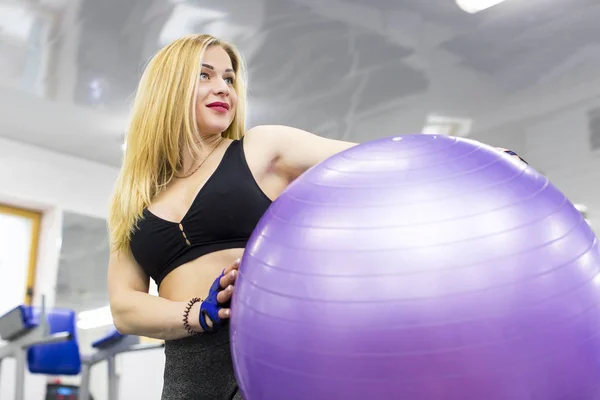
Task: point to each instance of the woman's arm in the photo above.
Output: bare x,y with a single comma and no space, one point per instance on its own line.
136,312
296,150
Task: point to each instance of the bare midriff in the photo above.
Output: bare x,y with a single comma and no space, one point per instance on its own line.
194,278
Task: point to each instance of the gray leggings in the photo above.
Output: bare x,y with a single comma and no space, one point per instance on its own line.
199,368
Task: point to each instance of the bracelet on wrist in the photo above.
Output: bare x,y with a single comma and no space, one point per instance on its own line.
186,314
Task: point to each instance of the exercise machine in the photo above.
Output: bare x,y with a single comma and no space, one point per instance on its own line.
107,348
45,342
27,330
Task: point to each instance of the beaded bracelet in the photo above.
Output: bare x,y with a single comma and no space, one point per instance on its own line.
186,325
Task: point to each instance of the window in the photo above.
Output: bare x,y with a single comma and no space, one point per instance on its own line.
19,238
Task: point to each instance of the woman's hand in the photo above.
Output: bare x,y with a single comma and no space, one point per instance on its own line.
227,284
511,153
215,307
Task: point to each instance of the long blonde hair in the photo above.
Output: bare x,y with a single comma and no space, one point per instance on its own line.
163,123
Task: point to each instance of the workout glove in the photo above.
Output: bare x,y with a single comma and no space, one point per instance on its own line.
210,307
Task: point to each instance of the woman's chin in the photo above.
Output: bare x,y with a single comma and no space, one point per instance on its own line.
210,130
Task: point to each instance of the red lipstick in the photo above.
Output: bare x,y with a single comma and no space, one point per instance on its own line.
219,106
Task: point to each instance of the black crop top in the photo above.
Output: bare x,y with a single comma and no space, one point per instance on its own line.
222,216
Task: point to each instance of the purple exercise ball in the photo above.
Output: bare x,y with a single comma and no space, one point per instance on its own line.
419,267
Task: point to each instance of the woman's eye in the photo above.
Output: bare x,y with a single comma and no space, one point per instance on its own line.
203,75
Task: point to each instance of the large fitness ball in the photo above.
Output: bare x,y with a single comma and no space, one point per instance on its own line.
419,268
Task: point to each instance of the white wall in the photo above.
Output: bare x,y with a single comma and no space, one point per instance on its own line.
548,126
50,182
559,146
41,179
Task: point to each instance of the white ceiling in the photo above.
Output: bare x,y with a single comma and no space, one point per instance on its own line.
67,82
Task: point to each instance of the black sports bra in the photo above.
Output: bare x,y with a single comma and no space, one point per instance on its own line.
222,216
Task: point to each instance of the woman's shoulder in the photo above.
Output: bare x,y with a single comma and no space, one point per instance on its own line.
261,132
261,139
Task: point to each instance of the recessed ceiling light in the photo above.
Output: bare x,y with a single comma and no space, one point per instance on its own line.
474,6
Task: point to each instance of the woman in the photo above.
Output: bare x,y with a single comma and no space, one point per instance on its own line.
192,187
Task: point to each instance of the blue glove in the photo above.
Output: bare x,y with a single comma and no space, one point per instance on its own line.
210,307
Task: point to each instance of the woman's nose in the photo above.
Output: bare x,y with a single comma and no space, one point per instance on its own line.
221,87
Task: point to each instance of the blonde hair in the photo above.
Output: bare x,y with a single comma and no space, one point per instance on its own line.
163,122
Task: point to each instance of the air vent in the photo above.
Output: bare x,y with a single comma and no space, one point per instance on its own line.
447,126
